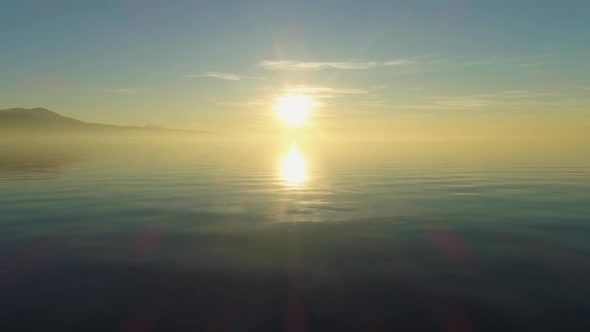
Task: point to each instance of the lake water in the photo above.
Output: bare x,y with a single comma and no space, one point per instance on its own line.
294,235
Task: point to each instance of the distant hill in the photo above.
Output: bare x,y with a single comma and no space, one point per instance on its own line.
41,120
151,126
34,117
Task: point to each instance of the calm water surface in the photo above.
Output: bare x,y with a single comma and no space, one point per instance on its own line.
528,182
449,236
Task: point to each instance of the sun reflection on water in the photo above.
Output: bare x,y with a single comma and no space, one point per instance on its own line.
293,169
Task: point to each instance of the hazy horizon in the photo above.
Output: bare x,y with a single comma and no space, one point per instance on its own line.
410,128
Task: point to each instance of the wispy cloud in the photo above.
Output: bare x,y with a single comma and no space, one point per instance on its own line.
400,62
314,66
425,61
224,76
324,90
515,94
511,99
442,60
320,94
457,104
247,103
320,65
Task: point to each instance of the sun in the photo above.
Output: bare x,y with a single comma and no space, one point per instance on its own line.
294,109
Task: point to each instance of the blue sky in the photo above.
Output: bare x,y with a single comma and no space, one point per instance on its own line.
209,63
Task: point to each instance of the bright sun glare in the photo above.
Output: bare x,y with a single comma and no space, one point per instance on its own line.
293,166
293,110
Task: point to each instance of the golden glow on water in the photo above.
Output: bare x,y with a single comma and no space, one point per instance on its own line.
293,169
293,110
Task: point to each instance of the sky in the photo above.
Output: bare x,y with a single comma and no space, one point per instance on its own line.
221,64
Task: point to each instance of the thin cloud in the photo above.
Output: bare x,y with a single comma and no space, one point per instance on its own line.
224,76
530,60
516,94
319,93
427,60
314,66
511,99
247,103
323,90
292,65
400,62
506,61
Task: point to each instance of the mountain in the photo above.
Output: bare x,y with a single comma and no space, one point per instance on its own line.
151,126
34,117
41,120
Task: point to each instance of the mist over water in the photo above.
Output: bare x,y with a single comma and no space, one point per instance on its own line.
492,235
